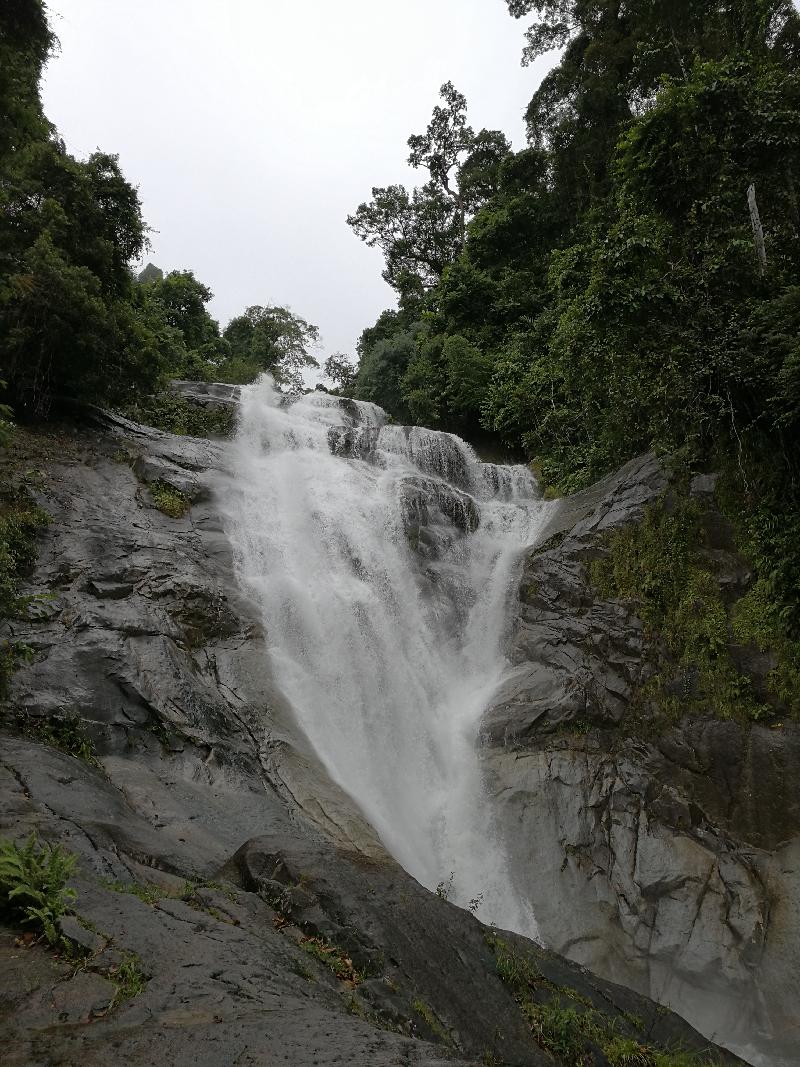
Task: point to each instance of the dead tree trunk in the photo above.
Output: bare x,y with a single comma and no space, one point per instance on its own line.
758,230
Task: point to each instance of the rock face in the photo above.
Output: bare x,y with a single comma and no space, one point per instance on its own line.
662,858
233,906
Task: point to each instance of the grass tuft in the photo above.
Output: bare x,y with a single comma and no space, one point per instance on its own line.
129,979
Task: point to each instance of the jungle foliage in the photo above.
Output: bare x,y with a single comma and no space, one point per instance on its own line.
608,296
75,321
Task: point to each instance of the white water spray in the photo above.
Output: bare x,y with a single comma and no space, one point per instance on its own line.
384,559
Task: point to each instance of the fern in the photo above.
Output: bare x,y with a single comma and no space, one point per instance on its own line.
33,884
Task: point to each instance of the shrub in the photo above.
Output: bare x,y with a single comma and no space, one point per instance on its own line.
6,421
20,521
176,415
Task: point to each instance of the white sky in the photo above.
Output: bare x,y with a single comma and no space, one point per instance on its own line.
252,128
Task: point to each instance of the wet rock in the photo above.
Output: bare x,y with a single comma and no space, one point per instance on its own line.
252,908
158,469
84,998
85,940
207,394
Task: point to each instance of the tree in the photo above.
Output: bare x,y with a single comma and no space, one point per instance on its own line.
68,232
183,300
151,273
63,336
271,339
74,321
25,43
421,232
385,353
615,57
342,372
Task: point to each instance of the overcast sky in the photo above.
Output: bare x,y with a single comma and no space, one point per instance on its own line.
252,128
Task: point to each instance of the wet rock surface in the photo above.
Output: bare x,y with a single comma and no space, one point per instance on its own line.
663,857
233,907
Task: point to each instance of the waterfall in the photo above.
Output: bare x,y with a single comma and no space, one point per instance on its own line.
383,559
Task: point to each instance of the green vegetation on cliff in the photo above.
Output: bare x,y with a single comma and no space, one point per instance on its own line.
568,1024
179,416
717,644
20,521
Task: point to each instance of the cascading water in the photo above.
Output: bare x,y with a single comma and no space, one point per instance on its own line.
383,558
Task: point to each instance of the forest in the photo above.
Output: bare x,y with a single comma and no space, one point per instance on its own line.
629,281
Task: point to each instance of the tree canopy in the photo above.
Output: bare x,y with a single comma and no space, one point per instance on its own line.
422,231
74,319
272,339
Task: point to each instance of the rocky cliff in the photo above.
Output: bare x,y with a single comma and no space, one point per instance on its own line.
232,905
654,825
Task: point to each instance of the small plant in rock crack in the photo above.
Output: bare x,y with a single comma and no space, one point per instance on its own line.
628,1052
431,1020
445,888
33,884
334,958
169,500
145,891
129,979
66,734
475,903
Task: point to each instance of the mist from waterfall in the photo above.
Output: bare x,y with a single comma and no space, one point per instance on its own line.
384,560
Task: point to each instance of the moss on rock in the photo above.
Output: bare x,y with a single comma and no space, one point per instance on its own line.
169,500
701,632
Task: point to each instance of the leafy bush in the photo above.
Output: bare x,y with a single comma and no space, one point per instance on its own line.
33,884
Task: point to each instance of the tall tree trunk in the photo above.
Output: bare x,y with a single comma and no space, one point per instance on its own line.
758,230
